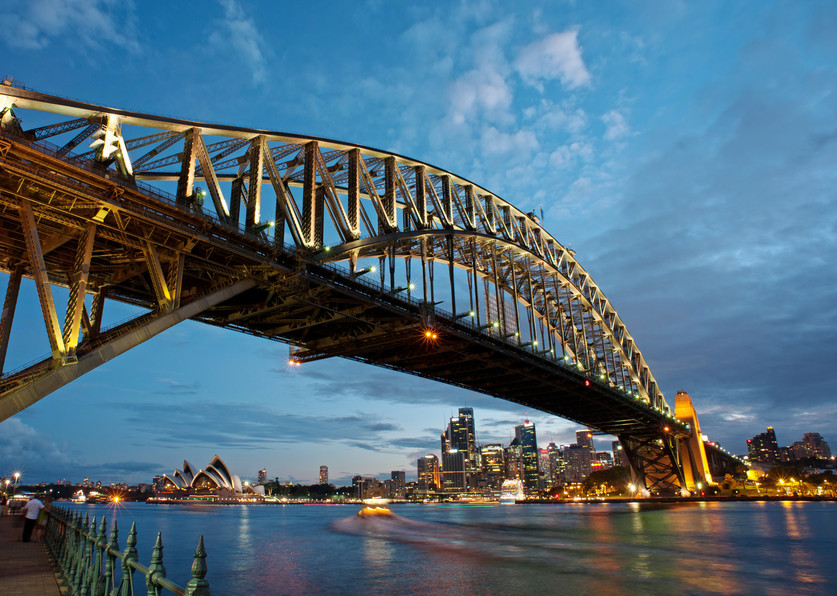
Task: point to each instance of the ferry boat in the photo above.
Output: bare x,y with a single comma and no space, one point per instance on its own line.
78,497
511,492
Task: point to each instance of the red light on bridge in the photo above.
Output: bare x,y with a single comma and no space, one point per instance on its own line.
586,382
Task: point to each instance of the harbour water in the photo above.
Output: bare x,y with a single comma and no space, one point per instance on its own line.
690,548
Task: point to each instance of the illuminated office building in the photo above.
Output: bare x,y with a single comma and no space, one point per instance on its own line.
398,484
453,471
429,477
323,474
493,458
525,436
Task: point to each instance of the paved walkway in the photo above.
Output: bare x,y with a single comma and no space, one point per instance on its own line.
24,568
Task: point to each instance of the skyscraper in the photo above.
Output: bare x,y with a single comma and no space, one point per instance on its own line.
453,471
525,435
492,457
428,473
323,474
399,484
262,477
460,436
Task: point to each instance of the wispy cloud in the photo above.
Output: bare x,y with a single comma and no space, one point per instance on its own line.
240,34
98,24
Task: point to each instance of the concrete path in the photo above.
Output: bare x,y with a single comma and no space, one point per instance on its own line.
24,568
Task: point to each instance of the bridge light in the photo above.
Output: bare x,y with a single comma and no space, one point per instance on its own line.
665,428
412,287
534,342
586,382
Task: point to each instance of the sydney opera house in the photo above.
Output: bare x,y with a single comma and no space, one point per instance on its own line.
214,482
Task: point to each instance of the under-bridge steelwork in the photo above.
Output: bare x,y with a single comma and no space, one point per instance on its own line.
333,248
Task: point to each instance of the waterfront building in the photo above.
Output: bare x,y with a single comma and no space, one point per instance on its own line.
493,460
514,461
526,437
429,478
453,471
262,476
556,462
215,479
323,474
817,446
763,447
545,467
579,463
398,488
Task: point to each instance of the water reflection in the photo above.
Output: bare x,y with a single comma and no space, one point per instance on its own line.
735,548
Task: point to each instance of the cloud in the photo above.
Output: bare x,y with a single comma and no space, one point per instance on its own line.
178,388
38,457
556,56
521,143
240,34
567,155
97,24
617,126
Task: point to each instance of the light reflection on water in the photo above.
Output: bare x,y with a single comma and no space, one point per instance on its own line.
703,548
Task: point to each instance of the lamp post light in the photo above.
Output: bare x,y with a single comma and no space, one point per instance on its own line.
17,477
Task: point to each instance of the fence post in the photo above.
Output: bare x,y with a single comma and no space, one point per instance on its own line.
198,585
130,554
110,559
155,568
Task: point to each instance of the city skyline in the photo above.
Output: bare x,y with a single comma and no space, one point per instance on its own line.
683,151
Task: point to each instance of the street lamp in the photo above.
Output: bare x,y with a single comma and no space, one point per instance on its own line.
17,477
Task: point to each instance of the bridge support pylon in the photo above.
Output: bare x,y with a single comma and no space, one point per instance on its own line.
693,454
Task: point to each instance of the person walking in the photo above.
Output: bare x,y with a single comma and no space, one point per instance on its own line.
30,513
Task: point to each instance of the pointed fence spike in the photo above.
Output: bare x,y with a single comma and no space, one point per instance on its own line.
155,568
198,585
114,537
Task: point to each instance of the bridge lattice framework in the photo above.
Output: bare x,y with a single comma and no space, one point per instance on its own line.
365,254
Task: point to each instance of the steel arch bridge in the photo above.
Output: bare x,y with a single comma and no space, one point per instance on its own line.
333,248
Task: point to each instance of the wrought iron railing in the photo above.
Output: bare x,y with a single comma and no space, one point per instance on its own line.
85,558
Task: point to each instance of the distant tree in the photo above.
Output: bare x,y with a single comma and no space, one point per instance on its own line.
616,478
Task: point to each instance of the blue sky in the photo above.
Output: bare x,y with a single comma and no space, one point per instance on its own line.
685,151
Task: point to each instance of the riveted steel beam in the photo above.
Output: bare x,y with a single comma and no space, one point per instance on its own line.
8,315
78,289
254,183
39,273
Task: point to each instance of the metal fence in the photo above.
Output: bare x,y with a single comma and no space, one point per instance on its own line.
85,558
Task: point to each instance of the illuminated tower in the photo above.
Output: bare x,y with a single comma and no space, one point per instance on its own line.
262,476
323,474
525,435
460,437
493,464
428,473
